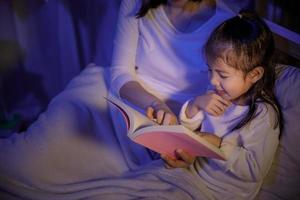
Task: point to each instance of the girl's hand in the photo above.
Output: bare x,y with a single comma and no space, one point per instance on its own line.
210,102
183,160
211,138
161,114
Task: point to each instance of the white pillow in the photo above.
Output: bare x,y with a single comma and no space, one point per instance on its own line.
283,179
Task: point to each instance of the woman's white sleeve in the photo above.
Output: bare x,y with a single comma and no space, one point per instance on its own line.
250,151
191,123
125,45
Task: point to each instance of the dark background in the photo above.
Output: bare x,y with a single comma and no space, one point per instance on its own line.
45,43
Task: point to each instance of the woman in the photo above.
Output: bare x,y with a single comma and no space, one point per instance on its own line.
157,52
157,60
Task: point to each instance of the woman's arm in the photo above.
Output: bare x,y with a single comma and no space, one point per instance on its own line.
123,73
125,46
155,108
136,94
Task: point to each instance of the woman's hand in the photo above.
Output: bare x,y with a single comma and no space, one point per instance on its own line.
156,110
161,114
182,160
210,102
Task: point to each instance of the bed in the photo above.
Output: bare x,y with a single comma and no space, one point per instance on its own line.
68,169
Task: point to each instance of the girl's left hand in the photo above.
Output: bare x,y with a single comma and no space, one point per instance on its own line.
183,160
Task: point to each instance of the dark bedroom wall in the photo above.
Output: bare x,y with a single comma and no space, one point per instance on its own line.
283,12
286,14
45,43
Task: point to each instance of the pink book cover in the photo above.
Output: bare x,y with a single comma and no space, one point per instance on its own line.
166,142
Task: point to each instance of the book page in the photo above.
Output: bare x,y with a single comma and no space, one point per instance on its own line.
134,120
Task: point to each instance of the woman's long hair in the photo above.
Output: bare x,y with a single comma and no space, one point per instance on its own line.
245,42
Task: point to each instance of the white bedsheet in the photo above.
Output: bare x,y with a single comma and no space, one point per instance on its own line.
73,152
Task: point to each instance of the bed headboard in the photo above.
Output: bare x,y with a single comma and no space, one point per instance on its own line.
287,42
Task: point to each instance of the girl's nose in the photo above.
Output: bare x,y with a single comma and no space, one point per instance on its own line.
213,80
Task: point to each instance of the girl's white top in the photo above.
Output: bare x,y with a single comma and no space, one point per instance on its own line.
249,150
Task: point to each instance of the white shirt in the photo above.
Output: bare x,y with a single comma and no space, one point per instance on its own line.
249,150
169,63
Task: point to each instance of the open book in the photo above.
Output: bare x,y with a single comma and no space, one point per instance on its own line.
164,139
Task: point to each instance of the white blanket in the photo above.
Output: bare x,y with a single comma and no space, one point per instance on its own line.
73,152
76,151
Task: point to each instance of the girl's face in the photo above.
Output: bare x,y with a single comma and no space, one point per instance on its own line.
229,83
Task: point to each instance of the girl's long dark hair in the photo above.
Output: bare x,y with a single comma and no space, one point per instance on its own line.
245,42
150,4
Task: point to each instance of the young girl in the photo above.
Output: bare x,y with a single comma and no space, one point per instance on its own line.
241,111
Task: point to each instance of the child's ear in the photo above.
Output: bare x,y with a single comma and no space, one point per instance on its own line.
256,74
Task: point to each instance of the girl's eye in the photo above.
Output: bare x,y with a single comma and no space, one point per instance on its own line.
223,76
